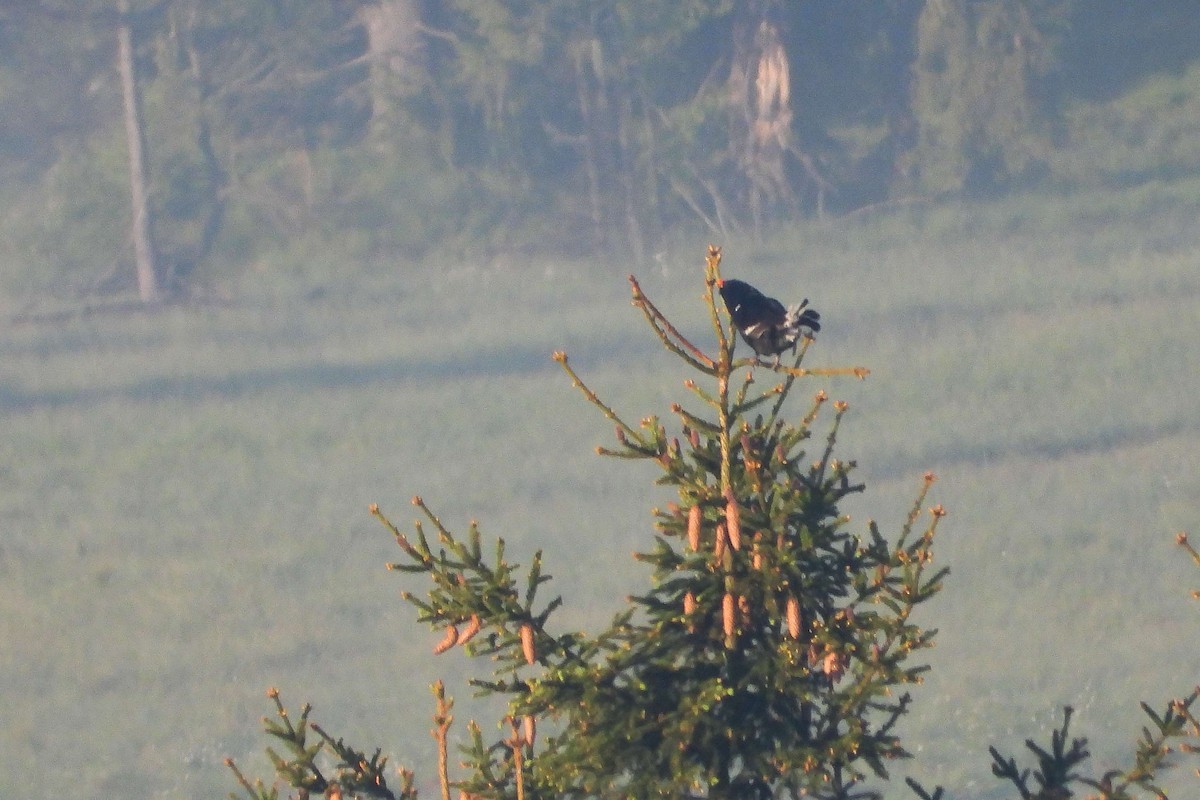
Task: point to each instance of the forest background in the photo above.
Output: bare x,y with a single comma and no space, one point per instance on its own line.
375,221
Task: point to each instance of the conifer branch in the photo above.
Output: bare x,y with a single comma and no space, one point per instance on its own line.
353,772
468,591
923,793
712,275
739,400
1055,766
674,341
1153,750
754,574
781,391
694,422
401,539
442,720
819,468
703,395
1181,539
577,382
799,372
914,513
443,531
256,791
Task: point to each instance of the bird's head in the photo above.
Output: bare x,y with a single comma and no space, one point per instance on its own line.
734,290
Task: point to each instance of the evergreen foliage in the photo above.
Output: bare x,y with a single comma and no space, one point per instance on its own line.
767,658
1056,771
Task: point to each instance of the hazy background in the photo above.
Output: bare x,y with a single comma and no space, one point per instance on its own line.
369,225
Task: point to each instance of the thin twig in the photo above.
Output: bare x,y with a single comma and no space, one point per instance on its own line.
859,372
561,358
229,762
442,529
712,276
693,355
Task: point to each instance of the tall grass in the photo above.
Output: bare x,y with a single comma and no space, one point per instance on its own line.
184,493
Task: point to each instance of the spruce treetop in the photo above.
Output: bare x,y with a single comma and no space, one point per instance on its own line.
766,656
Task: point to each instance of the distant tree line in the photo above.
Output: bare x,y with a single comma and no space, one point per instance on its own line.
228,127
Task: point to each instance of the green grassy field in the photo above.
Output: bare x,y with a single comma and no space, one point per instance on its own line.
184,493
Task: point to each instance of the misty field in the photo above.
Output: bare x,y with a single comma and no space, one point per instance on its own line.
184,495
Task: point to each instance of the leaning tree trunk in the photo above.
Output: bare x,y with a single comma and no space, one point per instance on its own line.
761,135
135,137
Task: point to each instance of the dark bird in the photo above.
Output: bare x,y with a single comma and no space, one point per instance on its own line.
768,327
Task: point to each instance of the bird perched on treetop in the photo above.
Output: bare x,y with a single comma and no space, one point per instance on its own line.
764,323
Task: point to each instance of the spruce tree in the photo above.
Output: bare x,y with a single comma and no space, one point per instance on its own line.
767,657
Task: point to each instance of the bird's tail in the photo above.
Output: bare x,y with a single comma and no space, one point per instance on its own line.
800,316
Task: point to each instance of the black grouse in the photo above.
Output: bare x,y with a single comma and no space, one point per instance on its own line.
768,327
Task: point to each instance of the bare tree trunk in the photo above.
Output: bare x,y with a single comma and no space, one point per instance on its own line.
628,161
143,246
591,168
761,116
